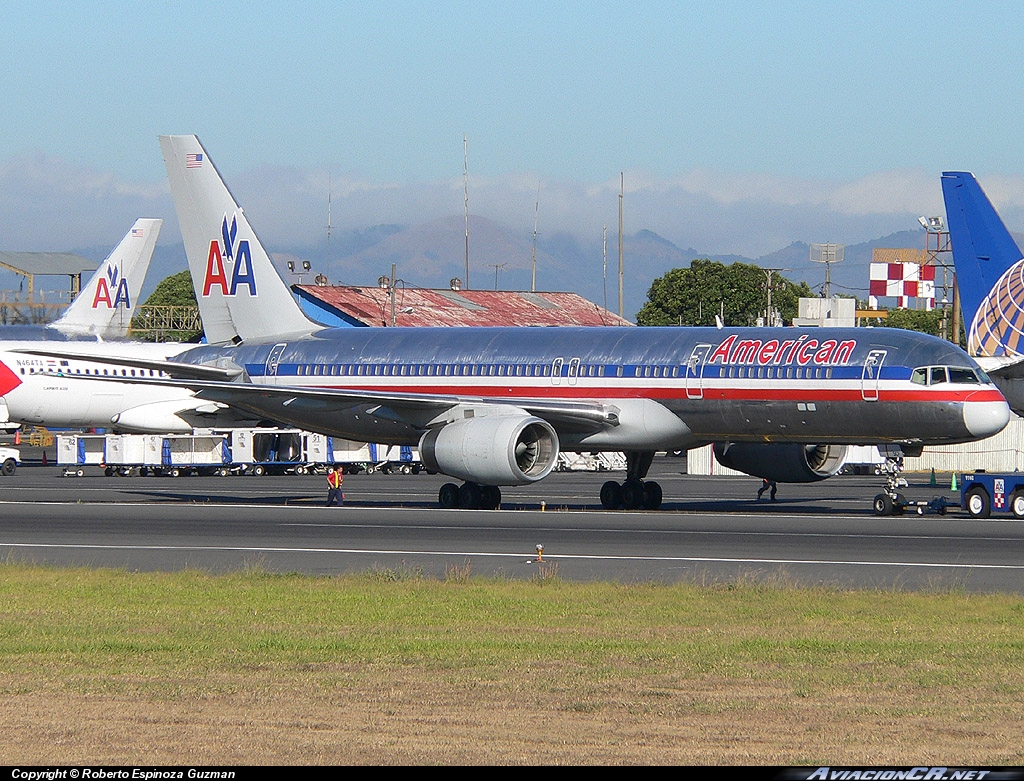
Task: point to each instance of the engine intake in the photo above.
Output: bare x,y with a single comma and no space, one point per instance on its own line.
492,450
784,463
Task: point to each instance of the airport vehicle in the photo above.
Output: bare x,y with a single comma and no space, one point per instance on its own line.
495,406
10,458
990,279
984,493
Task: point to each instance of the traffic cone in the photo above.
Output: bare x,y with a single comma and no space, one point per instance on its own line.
933,476
17,437
952,485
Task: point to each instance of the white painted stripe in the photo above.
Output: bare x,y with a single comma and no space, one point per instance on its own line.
493,554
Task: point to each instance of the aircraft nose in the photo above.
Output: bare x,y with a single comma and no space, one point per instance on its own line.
985,418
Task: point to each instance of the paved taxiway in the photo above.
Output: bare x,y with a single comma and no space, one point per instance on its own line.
710,530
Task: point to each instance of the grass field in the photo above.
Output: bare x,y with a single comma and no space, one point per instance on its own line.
389,667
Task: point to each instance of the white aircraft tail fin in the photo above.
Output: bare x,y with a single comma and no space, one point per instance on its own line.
241,296
106,303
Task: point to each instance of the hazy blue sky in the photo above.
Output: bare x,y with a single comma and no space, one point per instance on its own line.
828,110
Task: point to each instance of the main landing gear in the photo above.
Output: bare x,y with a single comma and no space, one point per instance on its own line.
469,496
635,493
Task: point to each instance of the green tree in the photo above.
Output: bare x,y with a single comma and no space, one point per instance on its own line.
915,320
738,292
175,290
169,310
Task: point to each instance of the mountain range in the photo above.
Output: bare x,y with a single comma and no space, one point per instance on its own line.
433,253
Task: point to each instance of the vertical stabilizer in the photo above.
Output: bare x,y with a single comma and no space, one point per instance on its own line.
989,268
106,303
241,296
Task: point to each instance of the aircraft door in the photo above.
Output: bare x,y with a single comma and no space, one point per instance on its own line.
870,375
574,370
694,371
273,360
556,371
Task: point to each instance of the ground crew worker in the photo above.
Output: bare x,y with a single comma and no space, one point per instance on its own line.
767,484
335,478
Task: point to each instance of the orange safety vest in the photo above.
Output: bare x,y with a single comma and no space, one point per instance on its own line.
335,479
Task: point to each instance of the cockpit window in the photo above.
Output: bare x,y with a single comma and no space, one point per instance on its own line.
935,375
961,375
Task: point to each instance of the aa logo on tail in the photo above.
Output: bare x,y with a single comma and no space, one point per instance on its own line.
113,281
239,261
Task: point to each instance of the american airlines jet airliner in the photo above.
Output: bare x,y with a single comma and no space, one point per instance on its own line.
494,406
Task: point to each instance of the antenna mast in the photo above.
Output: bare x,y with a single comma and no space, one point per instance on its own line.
827,254
536,212
329,188
465,179
604,272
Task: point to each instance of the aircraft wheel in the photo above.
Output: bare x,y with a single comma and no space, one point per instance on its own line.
611,495
470,496
448,496
977,503
632,494
899,504
1017,503
652,495
490,497
883,504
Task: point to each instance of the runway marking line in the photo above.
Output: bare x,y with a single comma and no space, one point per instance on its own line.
485,554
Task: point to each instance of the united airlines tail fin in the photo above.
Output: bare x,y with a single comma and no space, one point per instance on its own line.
241,296
106,303
989,269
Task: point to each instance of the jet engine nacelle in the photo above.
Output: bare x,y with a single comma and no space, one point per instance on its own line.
492,450
162,417
784,463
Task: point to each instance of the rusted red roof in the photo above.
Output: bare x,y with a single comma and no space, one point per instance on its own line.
423,307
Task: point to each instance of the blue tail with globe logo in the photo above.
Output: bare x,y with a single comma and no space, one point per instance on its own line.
989,269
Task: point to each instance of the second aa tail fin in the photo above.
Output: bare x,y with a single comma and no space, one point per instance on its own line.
989,268
106,303
241,296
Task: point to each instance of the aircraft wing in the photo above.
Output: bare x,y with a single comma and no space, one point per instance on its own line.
174,369
228,384
417,408
1010,366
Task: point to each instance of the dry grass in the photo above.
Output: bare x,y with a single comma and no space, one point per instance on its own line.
122,668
